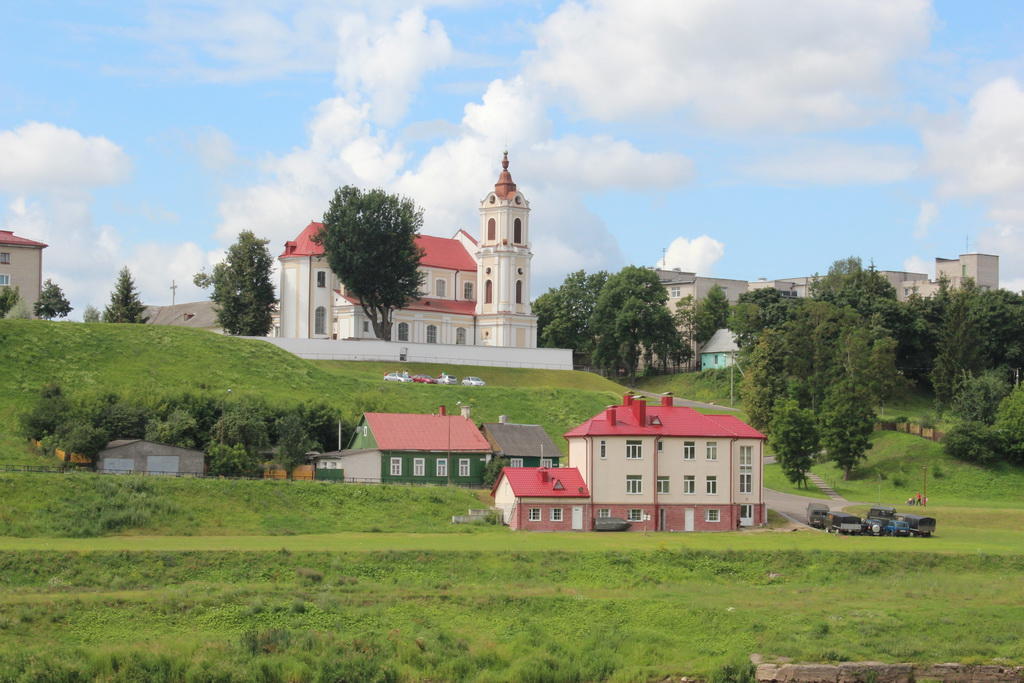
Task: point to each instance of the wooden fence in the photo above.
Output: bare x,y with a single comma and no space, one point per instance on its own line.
929,433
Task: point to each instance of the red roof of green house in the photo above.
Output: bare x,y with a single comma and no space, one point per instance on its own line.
417,432
544,482
8,237
636,417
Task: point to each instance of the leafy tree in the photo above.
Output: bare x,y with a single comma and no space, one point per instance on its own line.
849,284
564,314
46,415
293,442
121,418
764,378
242,288
846,423
90,315
124,306
631,321
83,438
8,297
683,318
976,442
52,303
369,241
959,340
979,397
178,429
492,470
245,424
20,310
794,438
321,425
711,315
1010,423
230,460
758,310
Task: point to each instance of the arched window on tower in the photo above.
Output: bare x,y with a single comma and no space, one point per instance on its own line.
488,292
431,334
320,320
460,335
490,230
439,287
517,232
403,332
519,291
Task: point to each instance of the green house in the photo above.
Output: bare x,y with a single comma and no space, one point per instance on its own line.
720,351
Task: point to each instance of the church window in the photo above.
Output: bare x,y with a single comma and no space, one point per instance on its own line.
490,230
488,287
320,320
439,287
519,291
460,335
431,334
467,291
517,231
403,332
321,278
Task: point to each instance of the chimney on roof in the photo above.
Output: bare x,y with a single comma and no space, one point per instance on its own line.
627,398
609,414
466,410
639,407
442,411
666,399
544,474
503,419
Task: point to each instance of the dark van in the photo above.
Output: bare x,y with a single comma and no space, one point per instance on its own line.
817,515
919,524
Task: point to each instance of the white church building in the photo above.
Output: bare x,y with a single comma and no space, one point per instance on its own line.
475,290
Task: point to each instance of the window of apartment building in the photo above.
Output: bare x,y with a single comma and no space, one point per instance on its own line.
467,291
419,467
635,515
662,484
441,467
711,485
439,289
712,450
515,462
534,514
556,514
689,483
5,257
5,280
396,467
689,450
661,446
431,334
711,515
603,449
460,335
634,450
604,513
403,331
545,462
463,467
746,469
321,278
675,292
746,482
634,483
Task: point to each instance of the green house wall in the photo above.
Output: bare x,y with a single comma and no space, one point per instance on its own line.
363,436
477,461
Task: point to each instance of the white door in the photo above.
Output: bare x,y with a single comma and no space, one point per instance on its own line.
746,515
577,518
688,520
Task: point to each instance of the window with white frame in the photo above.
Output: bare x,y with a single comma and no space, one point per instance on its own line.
431,334
5,280
320,320
403,331
545,462
467,291
603,449
321,278
419,467
439,289
460,335
711,515
534,514
746,469
675,292
689,483
396,467
515,462
689,450
712,450
556,514
5,257
463,467
634,483
711,485
604,513
662,484
441,467
634,450
746,482
746,511
635,515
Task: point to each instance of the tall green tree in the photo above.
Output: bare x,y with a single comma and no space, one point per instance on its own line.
52,303
979,397
957,351
90,315
564,313
794,439
369,241
293,441
8,297
242,289
764,378
125,305
1010,424
711,315
846,422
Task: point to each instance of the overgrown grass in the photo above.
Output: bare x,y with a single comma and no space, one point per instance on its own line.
776,480
493,616
710,386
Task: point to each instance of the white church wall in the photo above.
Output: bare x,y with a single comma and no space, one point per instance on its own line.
455,354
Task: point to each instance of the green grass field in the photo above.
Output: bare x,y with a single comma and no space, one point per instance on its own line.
710,386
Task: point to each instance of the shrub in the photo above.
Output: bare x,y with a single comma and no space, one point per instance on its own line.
975,442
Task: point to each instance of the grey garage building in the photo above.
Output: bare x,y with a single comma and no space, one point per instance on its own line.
138,455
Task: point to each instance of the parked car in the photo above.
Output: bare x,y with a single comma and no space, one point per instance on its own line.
817,515
843,523
397,377
611,524
447,379
919,524
877,519
896,527
424,379
474,382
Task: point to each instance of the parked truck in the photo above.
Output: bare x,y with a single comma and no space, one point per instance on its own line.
817,515
919,524
843,523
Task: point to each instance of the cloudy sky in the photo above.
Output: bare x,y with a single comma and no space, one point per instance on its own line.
736,138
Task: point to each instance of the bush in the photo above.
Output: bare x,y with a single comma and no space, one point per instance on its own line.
975,442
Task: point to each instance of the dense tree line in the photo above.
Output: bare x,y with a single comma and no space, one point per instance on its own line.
237,435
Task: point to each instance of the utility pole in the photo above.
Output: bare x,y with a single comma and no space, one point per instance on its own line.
174,291
924,488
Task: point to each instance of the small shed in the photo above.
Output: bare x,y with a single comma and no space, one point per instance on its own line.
720,351
125,456
521,445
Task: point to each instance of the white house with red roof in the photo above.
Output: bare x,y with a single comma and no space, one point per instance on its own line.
21,265
543,499
475,291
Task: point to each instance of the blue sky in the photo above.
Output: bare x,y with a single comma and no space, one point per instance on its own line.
740,139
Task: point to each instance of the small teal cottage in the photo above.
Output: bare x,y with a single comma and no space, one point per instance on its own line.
720,351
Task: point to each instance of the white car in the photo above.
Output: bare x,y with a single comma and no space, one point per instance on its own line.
444,378
474,382
397,377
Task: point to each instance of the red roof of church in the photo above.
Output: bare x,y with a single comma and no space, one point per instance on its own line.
438,252
8,237
635,417
429,304
544,482
417,432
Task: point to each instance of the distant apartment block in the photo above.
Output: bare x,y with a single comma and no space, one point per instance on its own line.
681,284
21,265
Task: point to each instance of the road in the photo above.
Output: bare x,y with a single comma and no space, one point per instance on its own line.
794,507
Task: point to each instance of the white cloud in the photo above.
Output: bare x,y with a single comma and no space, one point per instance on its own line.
387,61
916,264
698,255
44,157
780,63
602,162
214,148
837,164
926,215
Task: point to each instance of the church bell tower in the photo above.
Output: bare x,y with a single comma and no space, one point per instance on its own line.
503,267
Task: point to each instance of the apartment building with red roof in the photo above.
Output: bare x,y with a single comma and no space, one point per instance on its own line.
21,265
475,289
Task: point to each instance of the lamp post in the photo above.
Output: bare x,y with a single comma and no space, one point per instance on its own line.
924,485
